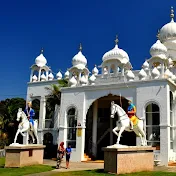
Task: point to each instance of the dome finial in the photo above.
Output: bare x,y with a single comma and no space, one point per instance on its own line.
172,14
116,40
80,47
42,50
158,34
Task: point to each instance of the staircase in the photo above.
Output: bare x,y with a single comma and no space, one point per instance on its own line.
86,158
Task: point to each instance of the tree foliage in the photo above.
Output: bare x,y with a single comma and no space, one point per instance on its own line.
8,113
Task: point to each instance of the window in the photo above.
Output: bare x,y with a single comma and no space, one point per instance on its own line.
71,127
152,125
171,122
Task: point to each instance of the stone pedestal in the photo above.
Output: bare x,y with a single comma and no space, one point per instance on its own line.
24,155
128,159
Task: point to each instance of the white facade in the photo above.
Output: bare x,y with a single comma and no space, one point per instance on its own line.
79,121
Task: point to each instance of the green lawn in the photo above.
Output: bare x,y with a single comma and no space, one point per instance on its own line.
100,173
23,170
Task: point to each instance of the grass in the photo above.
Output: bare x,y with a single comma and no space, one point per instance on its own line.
101,173
23,170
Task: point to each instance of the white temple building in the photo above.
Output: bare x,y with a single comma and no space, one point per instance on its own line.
83,118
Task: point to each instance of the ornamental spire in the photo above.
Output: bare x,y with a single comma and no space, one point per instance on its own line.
42,50
116,40
80,47
172,14
158,34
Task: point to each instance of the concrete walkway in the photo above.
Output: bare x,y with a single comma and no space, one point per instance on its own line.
78,166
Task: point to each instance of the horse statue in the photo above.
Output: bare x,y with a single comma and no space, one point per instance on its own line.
24,126
124,124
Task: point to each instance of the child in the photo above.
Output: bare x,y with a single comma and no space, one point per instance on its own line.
68,153
60,154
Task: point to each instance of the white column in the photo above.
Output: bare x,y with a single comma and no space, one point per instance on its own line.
39,74
109,70
32,71
94,128
47,75
162,70
42,118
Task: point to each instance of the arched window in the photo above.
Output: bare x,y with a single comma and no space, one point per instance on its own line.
71,127
171,121
152,125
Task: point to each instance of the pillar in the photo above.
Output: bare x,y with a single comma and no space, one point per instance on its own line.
39,74
46,75
94,128
42,118
32,71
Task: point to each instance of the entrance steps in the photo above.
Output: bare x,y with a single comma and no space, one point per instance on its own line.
86,158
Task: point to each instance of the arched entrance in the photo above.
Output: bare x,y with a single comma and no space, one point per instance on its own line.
99,126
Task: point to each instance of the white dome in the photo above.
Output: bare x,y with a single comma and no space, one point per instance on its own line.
34,78
142,74
83,80
79,59
168,31
50,76
168,73
59,75
41,60
145,65
155,73
72,82
43,77
116,54
67,74
158,49
92,79
130,75
95,70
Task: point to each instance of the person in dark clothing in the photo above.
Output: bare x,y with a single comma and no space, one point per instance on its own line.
68,153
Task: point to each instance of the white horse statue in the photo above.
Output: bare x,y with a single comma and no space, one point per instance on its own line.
24,126
124,125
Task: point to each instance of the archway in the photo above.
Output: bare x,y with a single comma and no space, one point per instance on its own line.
99,126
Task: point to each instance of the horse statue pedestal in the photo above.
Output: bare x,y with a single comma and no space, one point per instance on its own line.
121,159
18,155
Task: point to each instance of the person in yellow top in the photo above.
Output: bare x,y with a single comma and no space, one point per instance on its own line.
132,113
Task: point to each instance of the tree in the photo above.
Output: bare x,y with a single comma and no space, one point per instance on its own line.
54,91
8,113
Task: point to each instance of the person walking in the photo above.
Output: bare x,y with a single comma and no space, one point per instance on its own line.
60,154
68,154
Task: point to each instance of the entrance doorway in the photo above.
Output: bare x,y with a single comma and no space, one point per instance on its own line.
105,124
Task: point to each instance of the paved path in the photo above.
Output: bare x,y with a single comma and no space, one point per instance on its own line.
77,166
74,166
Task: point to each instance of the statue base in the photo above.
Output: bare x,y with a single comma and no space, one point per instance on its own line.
18,155
121,159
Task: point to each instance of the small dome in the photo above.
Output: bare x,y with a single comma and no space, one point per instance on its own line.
34,78
158,49
43,77
92,79
72,82
168,31
50,77
66,74
142,74
145,65
83,80
155,73
168,73
130,75
41,60
79,59
95,70
116,54
59,75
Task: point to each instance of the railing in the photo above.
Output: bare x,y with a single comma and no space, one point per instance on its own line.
104,134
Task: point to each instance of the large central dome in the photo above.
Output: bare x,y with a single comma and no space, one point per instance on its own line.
168,31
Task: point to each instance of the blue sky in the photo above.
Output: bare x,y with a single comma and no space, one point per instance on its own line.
59,26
